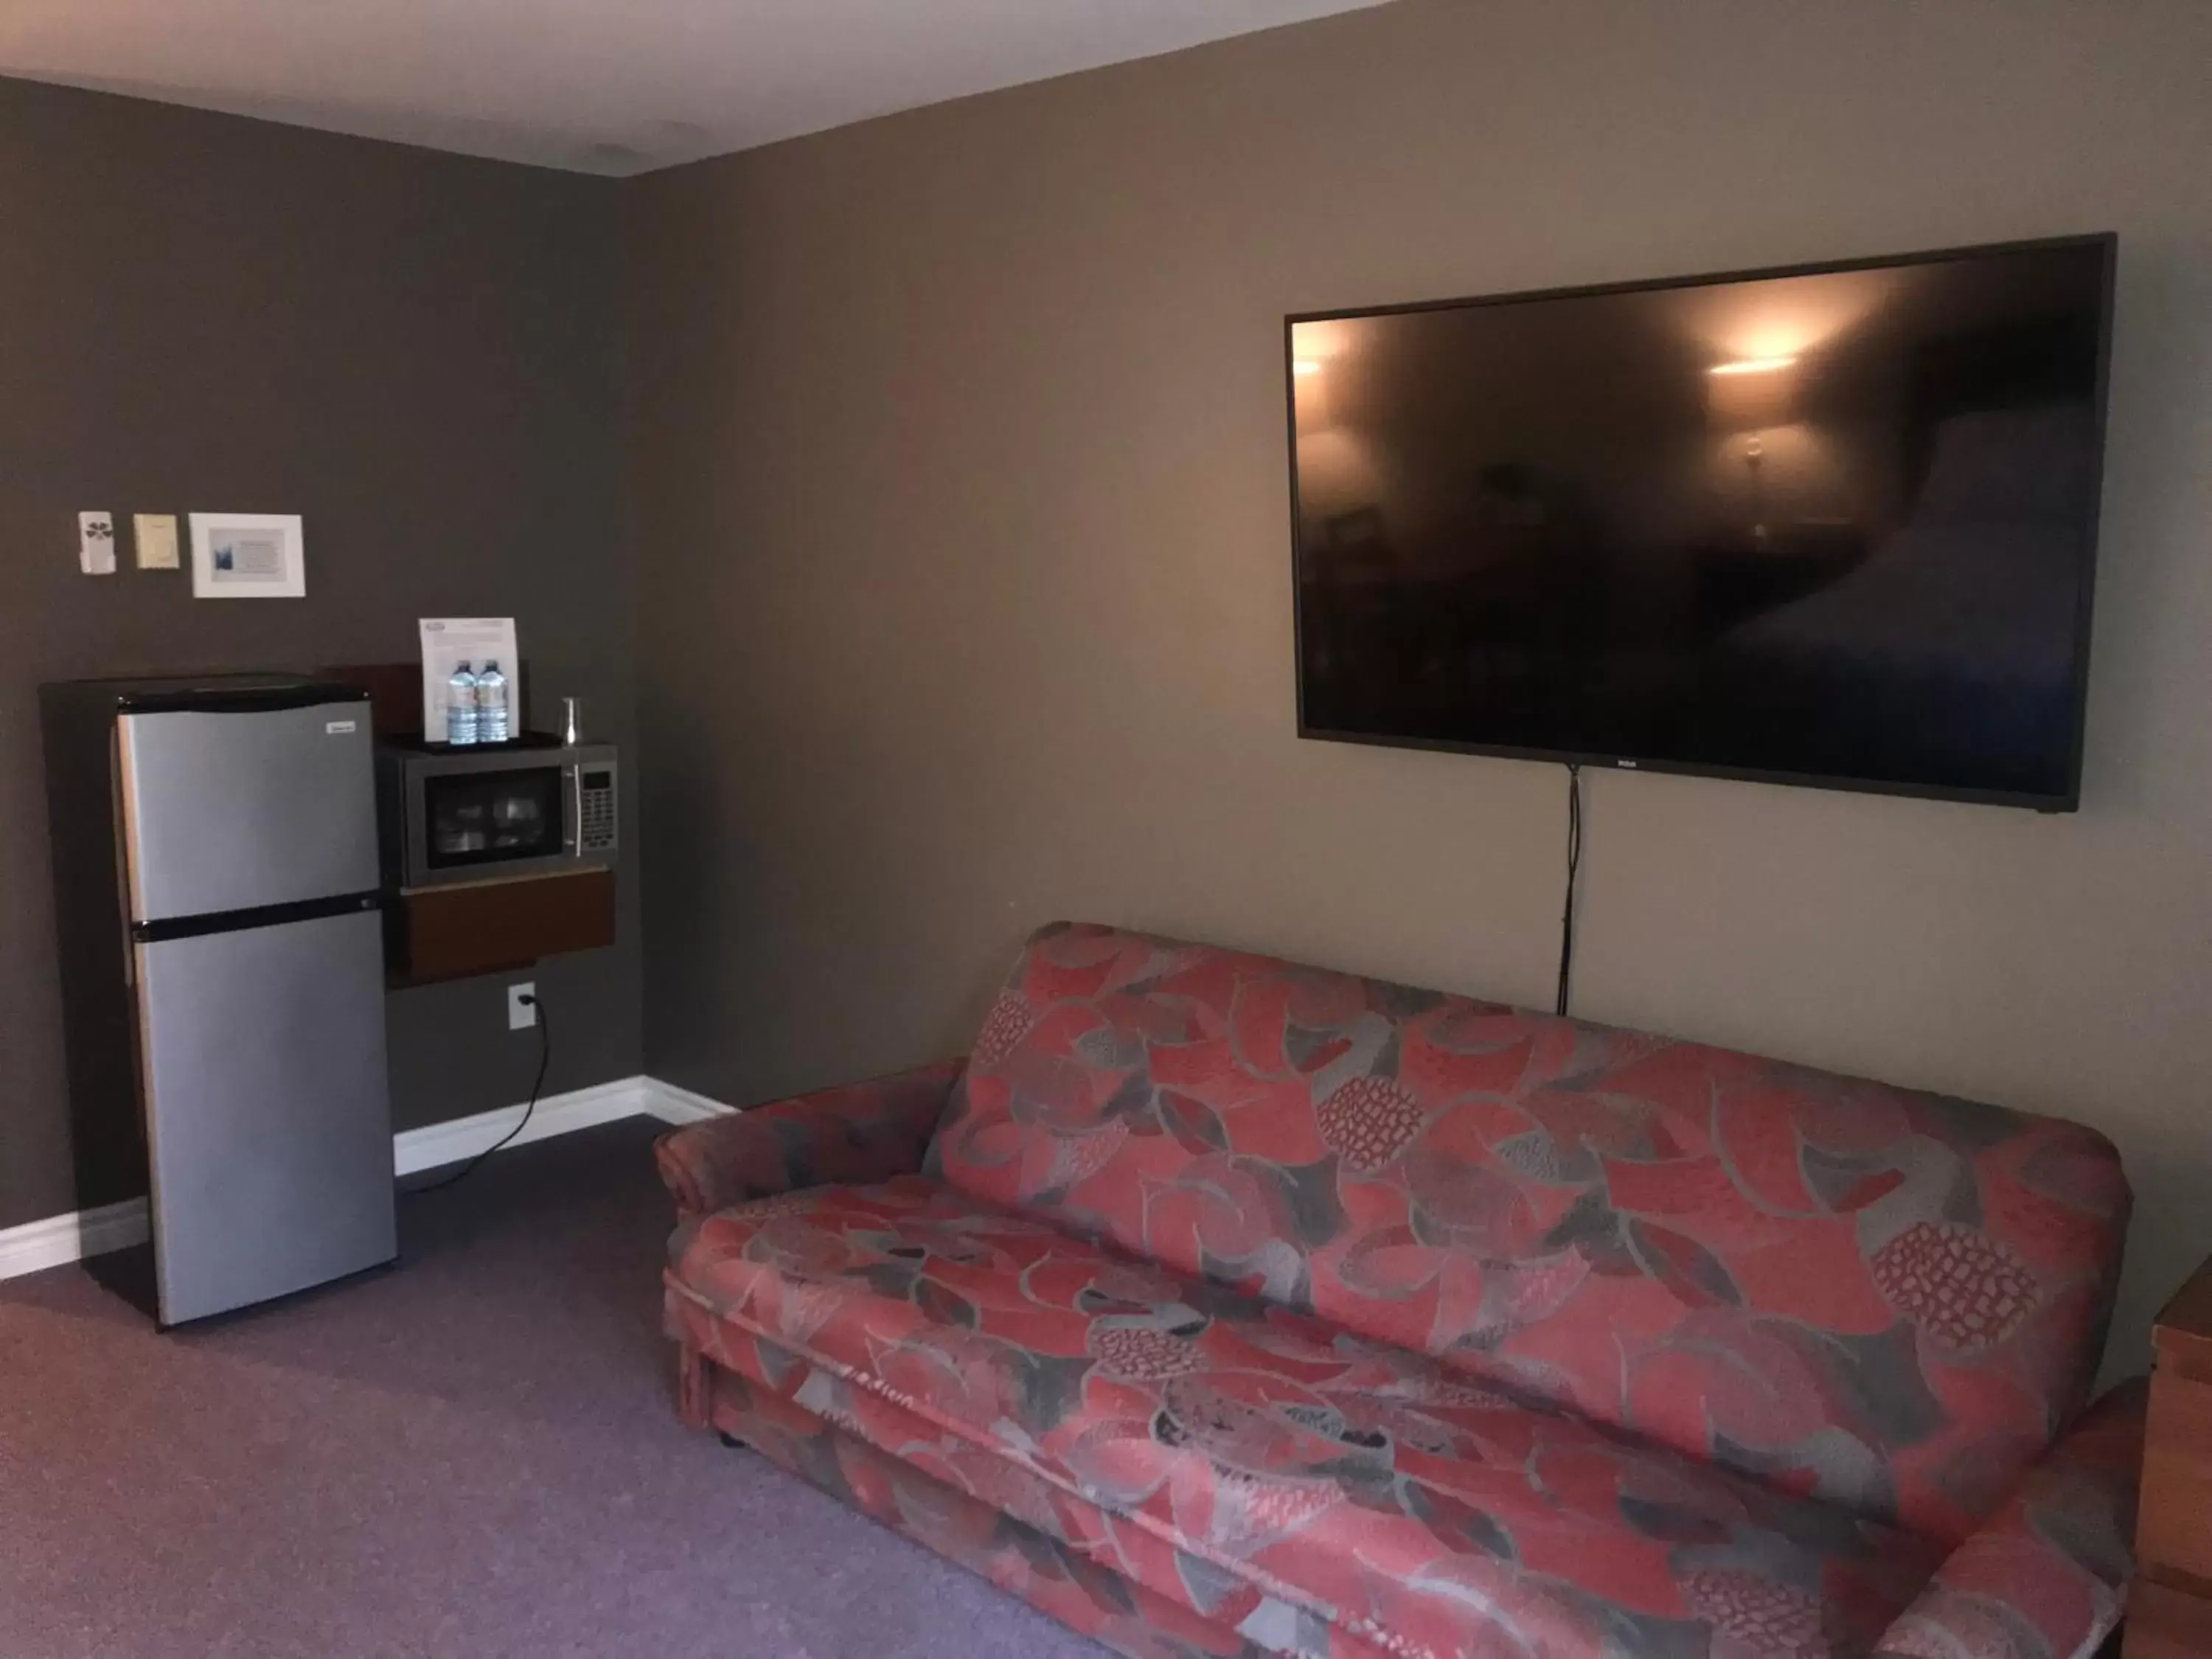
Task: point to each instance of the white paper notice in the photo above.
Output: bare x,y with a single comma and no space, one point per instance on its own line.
449,642
155,535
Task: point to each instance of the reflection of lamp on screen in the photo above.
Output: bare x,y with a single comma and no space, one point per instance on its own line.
1751,396
1309,389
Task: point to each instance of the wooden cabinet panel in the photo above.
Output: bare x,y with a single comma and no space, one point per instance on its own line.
2170,1605
491,927
2175,1530
2166,1623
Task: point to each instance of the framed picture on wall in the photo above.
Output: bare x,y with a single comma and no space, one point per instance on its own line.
248,555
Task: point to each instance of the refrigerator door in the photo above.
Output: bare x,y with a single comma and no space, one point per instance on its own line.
268,1125
239,809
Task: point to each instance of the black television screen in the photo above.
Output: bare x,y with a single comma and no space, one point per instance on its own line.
1832,525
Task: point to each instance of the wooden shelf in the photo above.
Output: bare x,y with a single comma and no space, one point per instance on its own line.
458,931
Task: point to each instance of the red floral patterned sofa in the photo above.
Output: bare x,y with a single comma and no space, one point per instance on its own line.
1221,1306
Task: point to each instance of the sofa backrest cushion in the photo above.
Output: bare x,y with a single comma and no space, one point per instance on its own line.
1890,1298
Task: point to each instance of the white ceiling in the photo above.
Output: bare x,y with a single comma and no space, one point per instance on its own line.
596,86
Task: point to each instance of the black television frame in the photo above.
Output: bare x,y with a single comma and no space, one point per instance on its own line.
2071,801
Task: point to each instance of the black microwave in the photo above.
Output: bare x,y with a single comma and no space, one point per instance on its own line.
532,807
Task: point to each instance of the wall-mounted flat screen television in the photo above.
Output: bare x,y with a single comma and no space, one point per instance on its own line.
1831,525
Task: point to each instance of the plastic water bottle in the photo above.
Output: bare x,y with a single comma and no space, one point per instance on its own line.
461,707
492,723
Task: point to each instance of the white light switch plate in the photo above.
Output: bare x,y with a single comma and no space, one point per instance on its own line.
154,539
96,542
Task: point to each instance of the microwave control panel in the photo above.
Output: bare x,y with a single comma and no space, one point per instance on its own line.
595,809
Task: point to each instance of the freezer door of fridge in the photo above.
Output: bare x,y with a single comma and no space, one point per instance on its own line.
231,810
269,1126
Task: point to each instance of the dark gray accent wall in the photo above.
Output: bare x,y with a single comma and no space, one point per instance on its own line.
959,456
418,353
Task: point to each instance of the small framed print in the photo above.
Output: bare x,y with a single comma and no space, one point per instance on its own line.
248,555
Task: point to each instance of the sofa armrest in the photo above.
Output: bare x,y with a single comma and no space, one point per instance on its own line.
858,1134
2048,1573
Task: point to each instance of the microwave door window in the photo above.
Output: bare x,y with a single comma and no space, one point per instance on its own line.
492,817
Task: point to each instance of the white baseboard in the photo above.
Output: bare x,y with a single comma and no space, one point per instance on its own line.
61,1239
671,1104
416,1150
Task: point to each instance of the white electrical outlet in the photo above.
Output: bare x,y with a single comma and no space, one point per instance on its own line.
522,1005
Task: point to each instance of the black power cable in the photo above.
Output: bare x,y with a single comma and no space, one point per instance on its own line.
544,1059
1574,869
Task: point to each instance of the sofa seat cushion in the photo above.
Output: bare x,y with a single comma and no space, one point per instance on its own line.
1400,1501
1099,1572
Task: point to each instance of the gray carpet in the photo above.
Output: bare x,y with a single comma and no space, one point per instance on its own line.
472,1455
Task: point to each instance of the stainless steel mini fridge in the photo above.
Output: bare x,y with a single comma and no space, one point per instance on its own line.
248,960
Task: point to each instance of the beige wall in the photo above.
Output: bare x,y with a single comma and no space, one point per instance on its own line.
960,495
